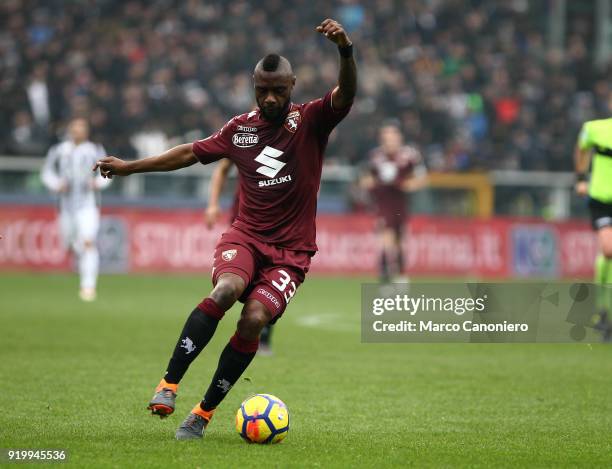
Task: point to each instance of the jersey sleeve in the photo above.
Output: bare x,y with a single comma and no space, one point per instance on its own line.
215,147
324,115
584,139
50,174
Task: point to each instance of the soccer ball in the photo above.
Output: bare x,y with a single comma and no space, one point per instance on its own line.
263,418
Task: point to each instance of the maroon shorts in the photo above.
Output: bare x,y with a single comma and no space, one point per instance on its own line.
271,274
388,218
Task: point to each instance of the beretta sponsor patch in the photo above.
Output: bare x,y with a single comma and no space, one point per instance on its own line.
243,140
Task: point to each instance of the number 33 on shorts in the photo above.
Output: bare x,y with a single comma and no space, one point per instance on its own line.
284,282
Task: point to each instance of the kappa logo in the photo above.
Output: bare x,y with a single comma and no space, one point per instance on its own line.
269,296
292,121
271,166
188,345
244,128
243,140
224,385
229,254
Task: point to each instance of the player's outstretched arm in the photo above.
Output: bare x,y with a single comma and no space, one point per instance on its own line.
418,179
178,157
582,161
344,93
50,175
415,183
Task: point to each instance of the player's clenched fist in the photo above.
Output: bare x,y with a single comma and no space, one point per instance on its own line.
334,32
110,166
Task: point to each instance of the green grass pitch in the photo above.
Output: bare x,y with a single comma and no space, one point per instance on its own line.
78,376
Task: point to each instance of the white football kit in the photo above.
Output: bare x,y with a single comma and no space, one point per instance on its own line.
69,166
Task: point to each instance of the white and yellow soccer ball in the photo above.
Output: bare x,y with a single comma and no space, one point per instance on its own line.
263,418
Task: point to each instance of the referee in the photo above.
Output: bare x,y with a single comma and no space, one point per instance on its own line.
596,140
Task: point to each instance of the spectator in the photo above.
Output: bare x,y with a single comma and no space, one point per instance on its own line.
472,82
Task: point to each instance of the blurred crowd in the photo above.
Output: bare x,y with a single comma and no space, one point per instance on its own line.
473,83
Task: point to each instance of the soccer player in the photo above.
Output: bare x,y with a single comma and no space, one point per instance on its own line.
67,172
264,256
596,140
213,210
394,169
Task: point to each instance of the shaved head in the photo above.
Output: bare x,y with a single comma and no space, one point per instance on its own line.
274,63
273,79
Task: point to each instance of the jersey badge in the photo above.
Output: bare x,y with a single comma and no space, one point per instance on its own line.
292,121
229,254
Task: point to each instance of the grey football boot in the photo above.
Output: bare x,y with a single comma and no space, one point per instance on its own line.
163,401
194,425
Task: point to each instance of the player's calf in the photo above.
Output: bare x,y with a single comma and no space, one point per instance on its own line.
197,332
237,354
253,319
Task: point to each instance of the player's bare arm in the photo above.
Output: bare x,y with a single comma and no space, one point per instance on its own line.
344,93
582,160
178,157
216,186
367,182
415,183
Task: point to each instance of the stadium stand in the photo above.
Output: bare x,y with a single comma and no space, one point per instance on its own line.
473,82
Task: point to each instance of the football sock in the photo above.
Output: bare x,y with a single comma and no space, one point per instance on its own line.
266,335
89,260
608,283
603,280
400,261
197,332
600,279
384,268
235,358
394,263
202,413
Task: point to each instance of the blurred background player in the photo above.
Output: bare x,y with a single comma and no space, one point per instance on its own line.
67,172
595,141
211,215
394,169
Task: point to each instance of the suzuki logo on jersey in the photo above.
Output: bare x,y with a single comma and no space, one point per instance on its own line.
275,181
245,140
292,121
271,166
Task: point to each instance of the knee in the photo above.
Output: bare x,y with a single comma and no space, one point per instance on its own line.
389,240
605,242
254,318
227,290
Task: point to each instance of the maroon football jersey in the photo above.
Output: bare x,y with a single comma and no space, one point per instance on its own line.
389,172
279,166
